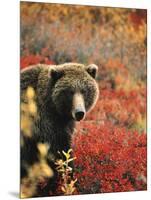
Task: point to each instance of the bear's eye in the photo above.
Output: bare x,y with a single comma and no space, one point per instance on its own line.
67,92
70,92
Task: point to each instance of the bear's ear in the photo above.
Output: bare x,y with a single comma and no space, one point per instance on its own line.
92,69
56,73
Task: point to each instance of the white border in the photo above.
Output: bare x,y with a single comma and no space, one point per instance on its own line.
9,98
109,3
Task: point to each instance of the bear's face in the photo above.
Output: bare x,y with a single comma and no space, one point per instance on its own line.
75,90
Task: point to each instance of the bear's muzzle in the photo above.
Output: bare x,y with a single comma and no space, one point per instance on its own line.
78,109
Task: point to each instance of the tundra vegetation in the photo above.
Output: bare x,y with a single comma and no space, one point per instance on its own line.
110,145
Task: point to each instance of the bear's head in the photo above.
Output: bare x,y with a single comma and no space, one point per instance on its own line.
75,90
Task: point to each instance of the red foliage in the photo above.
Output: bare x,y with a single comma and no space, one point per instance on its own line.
120,107
109,159
138,17
110,156
34,59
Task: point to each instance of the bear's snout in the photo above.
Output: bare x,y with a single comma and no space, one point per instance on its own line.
78,110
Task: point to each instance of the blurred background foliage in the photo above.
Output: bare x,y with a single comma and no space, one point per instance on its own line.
85,34
116,40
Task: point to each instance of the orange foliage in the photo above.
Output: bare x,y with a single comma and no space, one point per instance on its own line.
115,40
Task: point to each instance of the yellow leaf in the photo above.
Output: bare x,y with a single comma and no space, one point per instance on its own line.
67,155
43,149
30,93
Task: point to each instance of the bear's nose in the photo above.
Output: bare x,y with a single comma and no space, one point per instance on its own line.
79,115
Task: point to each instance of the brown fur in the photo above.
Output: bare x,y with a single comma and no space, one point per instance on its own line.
55,87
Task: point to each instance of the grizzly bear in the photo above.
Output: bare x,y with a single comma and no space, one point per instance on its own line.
64,94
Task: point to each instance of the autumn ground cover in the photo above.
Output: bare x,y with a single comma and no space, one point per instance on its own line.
110,145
